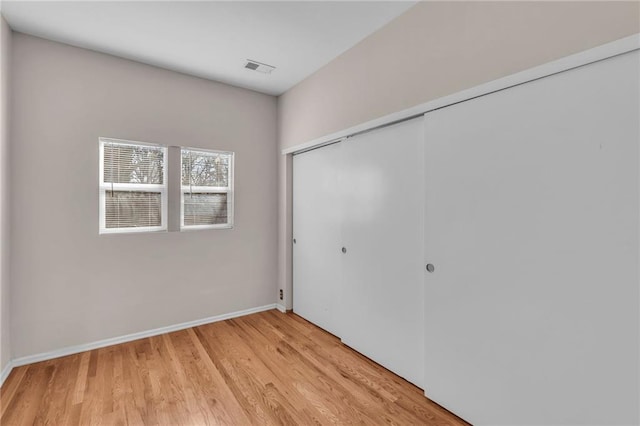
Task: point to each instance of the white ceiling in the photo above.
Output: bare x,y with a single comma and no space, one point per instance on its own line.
211,39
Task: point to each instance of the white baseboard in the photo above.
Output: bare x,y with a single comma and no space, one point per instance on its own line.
70,350
281,308
5,372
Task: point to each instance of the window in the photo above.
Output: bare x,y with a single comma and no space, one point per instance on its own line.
207,189
133,188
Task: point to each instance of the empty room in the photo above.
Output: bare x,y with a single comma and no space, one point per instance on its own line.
319,212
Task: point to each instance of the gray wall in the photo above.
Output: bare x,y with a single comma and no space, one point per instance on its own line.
438,48
433,50
5,65
73,286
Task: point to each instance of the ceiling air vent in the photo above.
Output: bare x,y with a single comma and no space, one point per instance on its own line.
259,66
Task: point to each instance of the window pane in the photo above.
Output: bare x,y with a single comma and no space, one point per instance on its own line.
131,209
205,168
133,164
205,208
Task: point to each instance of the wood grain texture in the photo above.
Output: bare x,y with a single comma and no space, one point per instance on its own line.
265,368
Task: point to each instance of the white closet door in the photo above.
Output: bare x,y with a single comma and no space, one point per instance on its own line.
317,217
532,225
382,230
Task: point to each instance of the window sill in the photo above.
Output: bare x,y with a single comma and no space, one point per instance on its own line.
204,227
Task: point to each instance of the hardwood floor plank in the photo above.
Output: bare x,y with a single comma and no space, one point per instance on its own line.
81,380
366,389
245,376
225,408
25,406
323,384
267,368
11,386
273,358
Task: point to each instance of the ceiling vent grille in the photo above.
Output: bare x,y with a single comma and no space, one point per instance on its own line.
259,66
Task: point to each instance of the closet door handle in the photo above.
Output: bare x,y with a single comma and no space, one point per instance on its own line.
344,249
430,267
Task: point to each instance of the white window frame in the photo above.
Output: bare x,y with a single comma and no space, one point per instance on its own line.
108,186
185,189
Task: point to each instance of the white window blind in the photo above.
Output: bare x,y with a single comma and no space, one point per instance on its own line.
207,189
133,188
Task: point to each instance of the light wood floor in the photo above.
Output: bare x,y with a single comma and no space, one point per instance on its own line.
266,368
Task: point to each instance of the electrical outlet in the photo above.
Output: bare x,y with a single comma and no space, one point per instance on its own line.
281,294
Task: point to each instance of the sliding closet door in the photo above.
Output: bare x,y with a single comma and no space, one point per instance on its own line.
532,228
317,216
382,231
